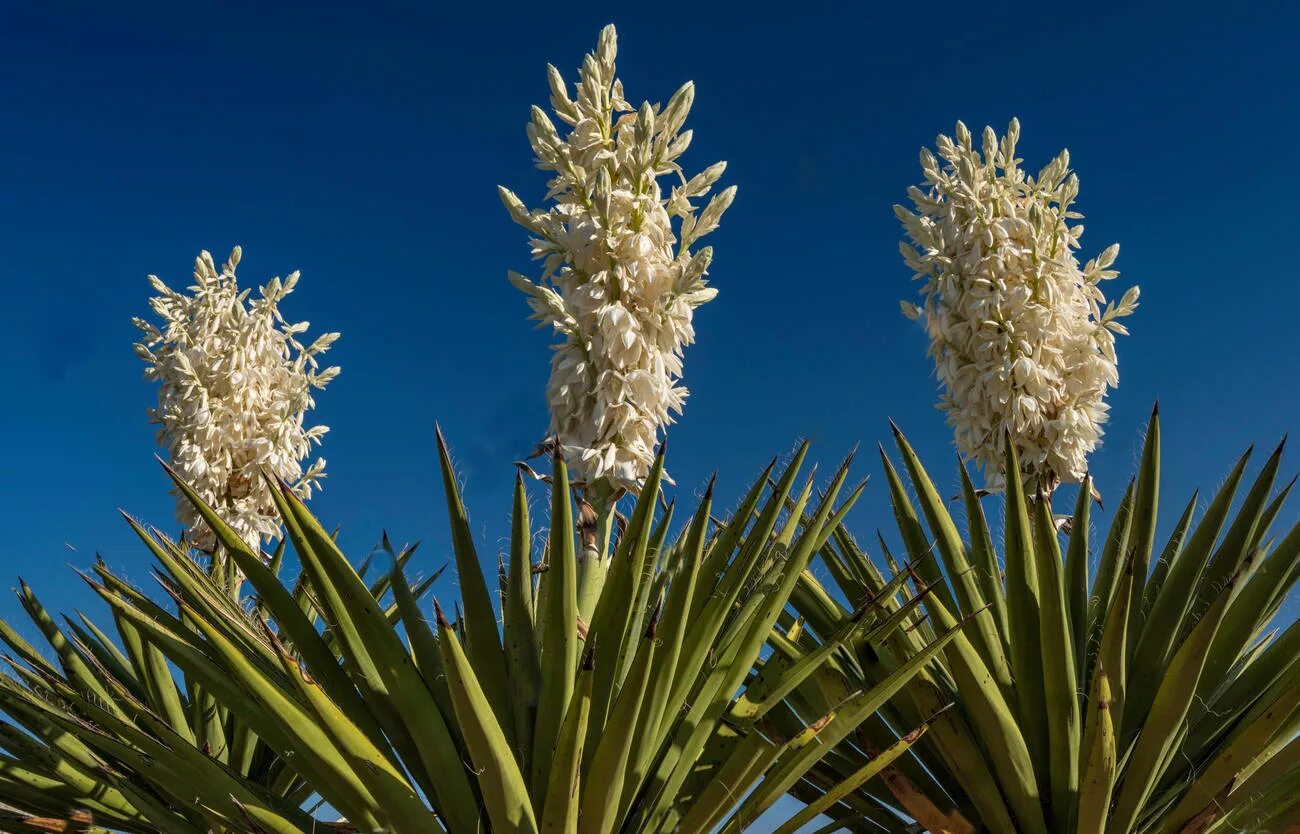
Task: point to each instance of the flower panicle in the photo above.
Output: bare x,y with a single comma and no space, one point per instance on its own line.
1022,336
620,271
235,385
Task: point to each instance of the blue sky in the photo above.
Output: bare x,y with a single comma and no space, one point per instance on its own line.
364,149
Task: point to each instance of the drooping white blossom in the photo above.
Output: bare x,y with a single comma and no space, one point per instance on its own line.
235,386
1022,337
619,284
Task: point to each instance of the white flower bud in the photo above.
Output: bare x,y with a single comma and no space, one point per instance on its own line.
674,115
560,101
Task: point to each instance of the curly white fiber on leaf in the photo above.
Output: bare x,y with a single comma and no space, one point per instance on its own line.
236,384
617,283
1022,337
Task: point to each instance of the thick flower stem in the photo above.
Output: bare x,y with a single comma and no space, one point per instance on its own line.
595,527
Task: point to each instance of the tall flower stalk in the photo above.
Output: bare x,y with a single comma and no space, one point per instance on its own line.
235,384
1022,337
620,279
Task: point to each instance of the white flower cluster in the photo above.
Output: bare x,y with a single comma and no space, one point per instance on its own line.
235,386
617,283
1020,339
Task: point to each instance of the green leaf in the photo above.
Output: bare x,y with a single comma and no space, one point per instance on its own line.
286,611
1250,610
1269,717
983,556
1174,601
520,634
799,754
505,792
615,611
1099,769
607,771
563,793
1076,573
1114,556
1235,547
994,722
1113,653
482,640
383,667
1023,610
852,782
1146,501
74,666
654,721
914,538
1064,724
984,631
559,631
1166,720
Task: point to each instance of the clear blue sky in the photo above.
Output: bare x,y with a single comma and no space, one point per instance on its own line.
364,149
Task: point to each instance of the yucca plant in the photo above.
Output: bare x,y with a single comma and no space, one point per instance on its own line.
106,735
335,691
1146,693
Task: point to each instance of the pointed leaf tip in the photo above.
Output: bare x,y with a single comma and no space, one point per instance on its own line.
937,714
96,586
